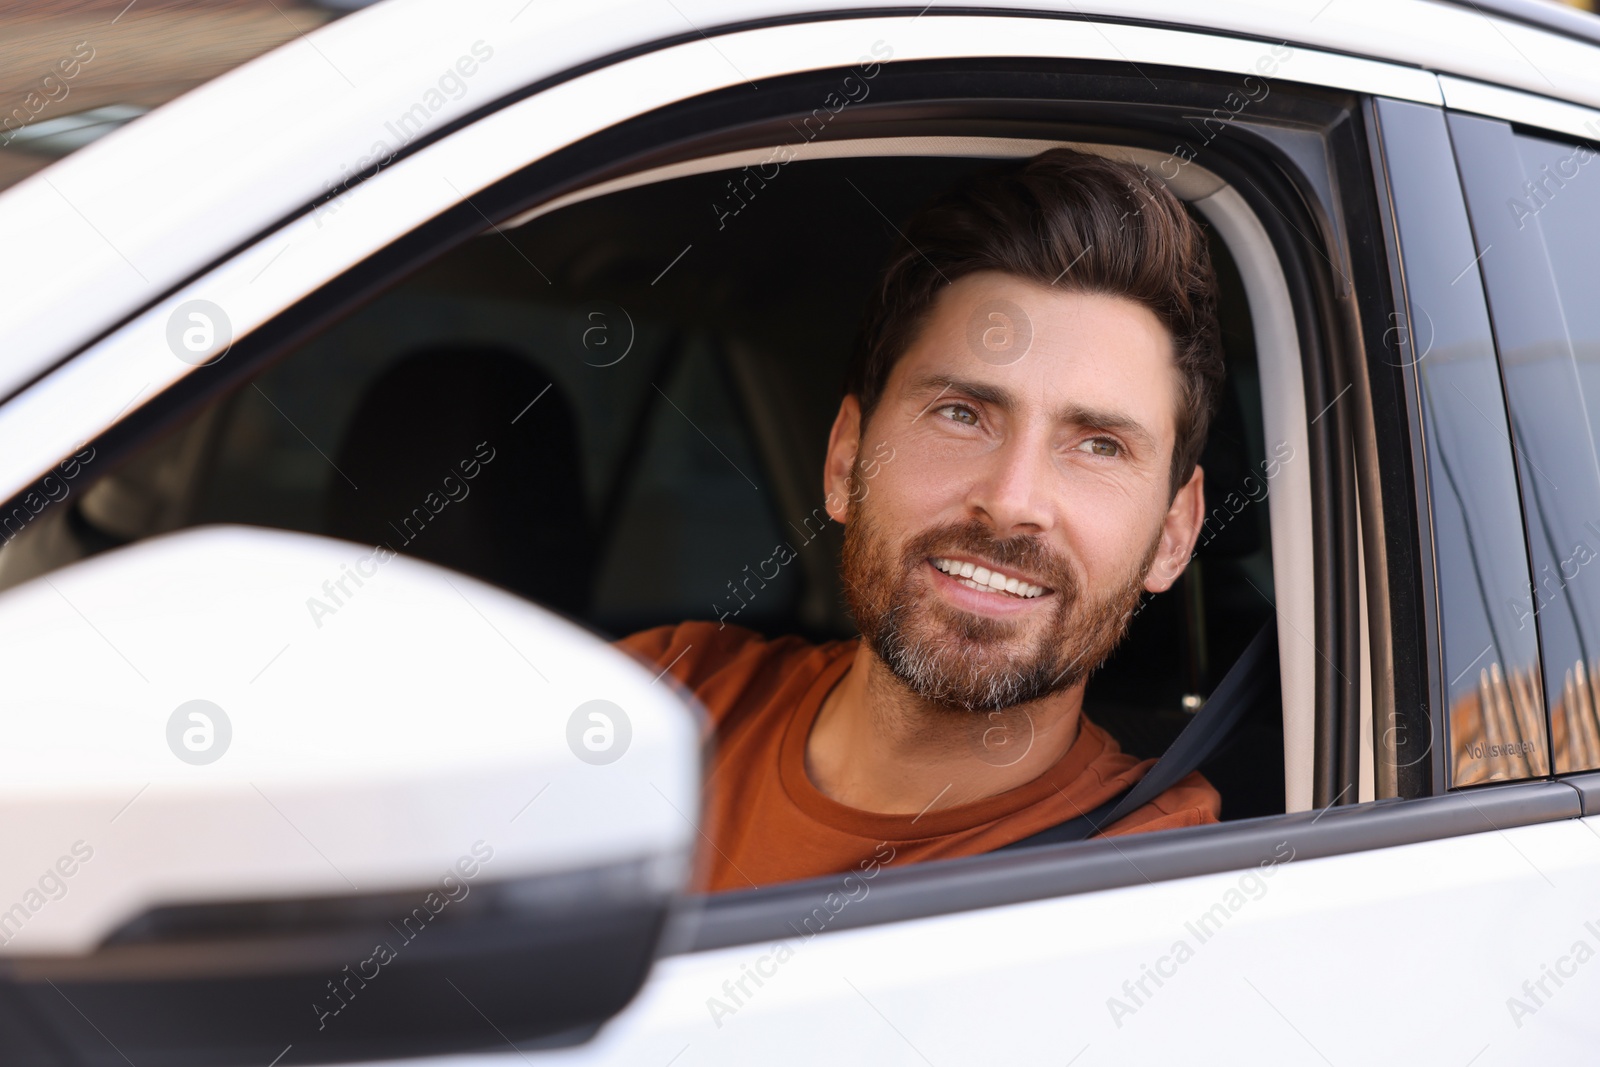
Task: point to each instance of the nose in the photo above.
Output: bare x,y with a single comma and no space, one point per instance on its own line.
1010,492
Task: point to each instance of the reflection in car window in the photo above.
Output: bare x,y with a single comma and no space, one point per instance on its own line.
1536,212
1495,722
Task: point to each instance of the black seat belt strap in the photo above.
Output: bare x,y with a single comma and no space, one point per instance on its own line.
1239,690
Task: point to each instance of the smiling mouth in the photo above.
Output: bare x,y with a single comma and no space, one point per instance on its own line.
988,580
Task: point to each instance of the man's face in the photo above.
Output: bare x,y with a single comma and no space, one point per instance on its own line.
998,557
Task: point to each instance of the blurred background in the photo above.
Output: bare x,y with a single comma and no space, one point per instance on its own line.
73,70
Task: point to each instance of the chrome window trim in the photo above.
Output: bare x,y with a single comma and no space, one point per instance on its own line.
1527,109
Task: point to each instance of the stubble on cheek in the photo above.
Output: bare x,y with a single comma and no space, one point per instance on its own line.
962,659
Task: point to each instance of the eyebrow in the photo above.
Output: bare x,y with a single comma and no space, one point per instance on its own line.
998,397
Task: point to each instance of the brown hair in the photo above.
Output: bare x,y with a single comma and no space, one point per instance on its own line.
1065,218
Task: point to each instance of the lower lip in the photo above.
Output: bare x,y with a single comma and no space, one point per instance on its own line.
980,601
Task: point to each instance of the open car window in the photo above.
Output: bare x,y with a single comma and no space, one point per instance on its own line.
595,413
612,395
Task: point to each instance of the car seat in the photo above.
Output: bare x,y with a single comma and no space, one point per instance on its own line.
521,521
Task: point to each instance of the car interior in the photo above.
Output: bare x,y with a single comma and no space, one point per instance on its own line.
648,410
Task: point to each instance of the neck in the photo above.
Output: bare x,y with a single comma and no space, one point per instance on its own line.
878,747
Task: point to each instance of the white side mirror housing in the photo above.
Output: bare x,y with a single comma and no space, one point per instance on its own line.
241,763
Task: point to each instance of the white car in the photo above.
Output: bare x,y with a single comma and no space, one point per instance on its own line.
351,403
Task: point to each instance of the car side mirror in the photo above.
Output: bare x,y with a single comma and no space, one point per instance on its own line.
269,797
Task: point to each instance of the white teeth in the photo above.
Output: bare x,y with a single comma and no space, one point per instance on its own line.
982,578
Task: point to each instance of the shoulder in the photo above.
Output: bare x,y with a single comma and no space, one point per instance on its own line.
1191,801
692,652
727,666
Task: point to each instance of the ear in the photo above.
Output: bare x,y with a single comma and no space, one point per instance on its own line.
844,444
1179,531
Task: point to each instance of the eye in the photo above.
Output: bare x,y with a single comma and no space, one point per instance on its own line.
1101,446
959,413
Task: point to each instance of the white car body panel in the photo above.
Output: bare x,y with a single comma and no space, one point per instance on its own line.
1400,955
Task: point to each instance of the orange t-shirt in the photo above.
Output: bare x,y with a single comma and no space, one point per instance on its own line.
764,820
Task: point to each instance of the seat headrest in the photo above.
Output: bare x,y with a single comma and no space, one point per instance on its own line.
441,471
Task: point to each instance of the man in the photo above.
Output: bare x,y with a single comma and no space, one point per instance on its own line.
1014,464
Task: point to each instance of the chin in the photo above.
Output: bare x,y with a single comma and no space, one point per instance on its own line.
957,673
977,663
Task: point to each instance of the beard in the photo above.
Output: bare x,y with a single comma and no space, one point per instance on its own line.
958,659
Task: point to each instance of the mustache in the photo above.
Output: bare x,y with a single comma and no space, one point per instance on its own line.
1029,555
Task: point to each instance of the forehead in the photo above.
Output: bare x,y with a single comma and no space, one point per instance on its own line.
1047,346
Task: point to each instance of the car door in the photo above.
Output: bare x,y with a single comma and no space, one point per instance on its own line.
1108,950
